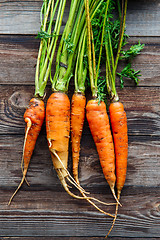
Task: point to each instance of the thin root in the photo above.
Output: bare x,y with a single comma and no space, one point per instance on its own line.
72,180
114,195
23,178
63,181
77,185
24,172
29,124
94,205
115,217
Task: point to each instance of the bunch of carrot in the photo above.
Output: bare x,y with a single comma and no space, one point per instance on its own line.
110,137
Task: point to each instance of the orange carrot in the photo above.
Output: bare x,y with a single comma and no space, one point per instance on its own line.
58,130
100,128
33,116
119,128
77,121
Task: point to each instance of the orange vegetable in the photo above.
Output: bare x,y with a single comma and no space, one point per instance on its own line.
100,128
34,117
77,121
120,135
58,130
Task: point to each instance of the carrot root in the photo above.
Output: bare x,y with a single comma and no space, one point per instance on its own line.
29,124
19,186
68,175
24,172
77,121
116,198
100,129
77,185
116,213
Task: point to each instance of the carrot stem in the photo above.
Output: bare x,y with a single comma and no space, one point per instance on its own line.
48,43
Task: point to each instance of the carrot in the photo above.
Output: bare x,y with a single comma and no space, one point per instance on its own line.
100,129
35,113
77,121
33,116
116,109
119,128
58,134
58,130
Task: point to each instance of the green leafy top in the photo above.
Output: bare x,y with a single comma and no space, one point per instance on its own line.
115,38
132,52
48,35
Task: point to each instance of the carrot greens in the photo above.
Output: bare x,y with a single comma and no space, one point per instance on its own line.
49,33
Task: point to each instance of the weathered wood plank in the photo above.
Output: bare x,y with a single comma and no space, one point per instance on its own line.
60,215
23,17
19,53
73,238
141,170
142,106
143,18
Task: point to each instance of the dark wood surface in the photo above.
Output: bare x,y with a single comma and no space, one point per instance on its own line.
44,210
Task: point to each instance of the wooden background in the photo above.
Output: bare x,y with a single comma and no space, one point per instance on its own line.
44,210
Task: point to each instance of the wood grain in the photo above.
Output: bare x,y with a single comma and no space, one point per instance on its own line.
73,238
32,218
19,53
23,17
142,106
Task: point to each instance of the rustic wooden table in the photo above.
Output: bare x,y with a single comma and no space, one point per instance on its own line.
44,210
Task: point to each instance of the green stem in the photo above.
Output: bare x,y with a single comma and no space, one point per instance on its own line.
58,82
102,39
46,13
48,46
80,68
65,60
49,49
89,47
54,43
121,39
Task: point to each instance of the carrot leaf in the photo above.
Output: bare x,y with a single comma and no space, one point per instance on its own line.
132,52
129,72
